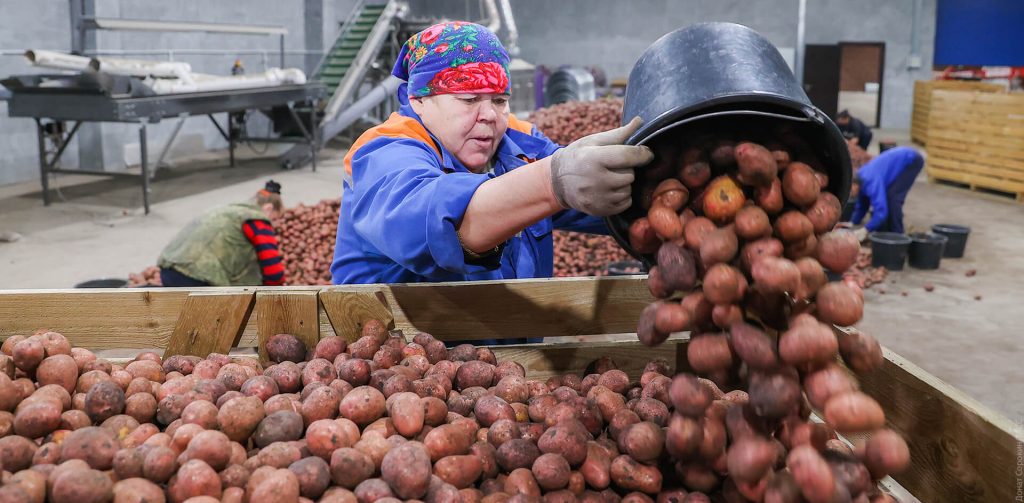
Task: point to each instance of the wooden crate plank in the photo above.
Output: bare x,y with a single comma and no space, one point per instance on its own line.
210,323
295,313
960,450
523,308
95,318
992,166
348,310
978,179
979,172
545,360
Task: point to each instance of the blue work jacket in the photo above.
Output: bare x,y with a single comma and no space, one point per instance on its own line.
405,195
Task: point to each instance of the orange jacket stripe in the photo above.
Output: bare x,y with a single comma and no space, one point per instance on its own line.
400,126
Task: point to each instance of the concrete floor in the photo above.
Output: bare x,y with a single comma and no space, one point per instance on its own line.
100,231
973,345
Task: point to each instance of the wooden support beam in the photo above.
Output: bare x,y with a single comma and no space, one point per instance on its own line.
348,308
287,312
210,323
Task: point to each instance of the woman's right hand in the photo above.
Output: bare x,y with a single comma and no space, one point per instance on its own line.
594,174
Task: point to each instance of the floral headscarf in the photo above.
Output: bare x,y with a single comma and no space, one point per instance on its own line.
453,57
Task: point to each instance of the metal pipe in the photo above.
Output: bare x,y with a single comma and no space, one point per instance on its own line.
798,56
915,44
378,94
142,67
510,25
202,82
493,18
58,60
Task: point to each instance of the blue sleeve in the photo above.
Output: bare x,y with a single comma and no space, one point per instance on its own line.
572,220
408,208
551,146
879,205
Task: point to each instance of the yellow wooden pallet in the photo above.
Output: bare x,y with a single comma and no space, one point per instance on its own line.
977,138
961,450
922,102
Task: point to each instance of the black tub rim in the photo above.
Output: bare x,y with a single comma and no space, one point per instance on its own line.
890,238
103,283
951,228
928,238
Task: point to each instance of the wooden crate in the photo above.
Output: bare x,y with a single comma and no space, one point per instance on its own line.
977,138
923,98
961,450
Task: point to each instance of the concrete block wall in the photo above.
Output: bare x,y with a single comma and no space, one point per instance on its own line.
609,33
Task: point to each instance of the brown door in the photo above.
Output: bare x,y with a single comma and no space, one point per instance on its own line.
860,80
821,77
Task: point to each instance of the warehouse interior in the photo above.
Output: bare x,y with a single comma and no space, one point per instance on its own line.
104,162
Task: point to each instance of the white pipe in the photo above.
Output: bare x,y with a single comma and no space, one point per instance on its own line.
493,18
510,25
141,67
58,60
801,49
202,82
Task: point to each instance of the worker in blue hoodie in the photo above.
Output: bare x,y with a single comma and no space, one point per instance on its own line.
882,185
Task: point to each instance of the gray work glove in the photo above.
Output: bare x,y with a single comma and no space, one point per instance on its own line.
594,174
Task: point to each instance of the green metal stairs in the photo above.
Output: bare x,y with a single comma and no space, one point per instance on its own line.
339,60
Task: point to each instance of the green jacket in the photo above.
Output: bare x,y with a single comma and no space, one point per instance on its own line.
213,248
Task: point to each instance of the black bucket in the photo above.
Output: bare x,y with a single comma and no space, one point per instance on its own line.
886,145
625,268
889,250
926,250
711,78
103,283
957,235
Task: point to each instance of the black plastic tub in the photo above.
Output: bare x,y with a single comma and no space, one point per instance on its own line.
889,250
926,250
723,79
103,283
957,235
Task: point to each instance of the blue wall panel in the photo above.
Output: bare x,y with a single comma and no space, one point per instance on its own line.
980,32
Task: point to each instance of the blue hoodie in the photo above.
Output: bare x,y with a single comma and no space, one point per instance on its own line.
882,185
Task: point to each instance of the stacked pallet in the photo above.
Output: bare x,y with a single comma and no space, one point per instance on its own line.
923,101
977,138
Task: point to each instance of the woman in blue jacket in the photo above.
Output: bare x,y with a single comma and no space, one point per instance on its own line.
453,187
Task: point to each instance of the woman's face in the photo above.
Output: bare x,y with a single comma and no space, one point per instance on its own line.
470,126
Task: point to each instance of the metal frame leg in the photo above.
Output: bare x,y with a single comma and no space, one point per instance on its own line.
170,142
144,164
231,139
43,163
309,136
46,164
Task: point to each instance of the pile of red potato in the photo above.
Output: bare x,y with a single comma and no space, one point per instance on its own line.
149,276
581,254
863,273
386,419
307,236
742,234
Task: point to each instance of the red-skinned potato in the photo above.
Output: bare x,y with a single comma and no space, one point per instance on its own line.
723,198
756,164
